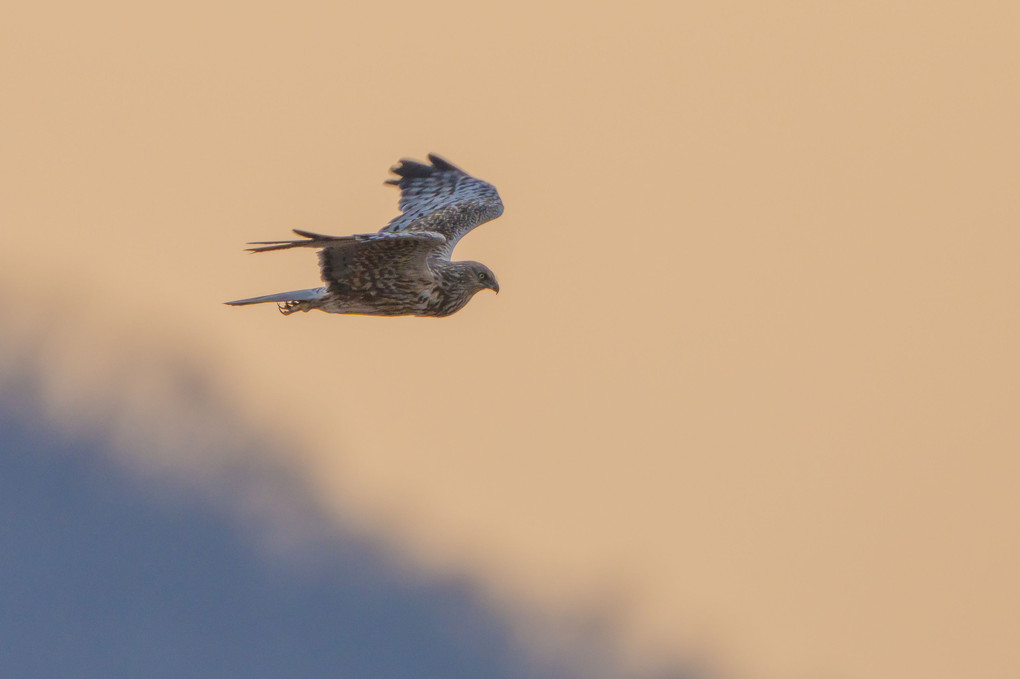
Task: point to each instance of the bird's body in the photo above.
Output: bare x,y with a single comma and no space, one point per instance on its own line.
405,268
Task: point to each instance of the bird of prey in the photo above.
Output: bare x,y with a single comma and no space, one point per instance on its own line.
404,269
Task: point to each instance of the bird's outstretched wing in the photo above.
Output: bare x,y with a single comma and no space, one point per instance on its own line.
372,263
441,198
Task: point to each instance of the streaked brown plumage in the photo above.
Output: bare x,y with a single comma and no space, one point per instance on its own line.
405,268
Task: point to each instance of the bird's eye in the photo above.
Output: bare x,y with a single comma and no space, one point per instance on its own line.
482,276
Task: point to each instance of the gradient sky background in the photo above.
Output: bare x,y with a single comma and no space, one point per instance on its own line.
745,406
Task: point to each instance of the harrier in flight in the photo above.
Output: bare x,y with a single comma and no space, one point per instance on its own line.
405,268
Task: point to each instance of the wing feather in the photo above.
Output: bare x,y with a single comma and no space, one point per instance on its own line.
372,263
380,265
441,198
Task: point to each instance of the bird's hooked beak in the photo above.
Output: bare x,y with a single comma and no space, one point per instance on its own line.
495,287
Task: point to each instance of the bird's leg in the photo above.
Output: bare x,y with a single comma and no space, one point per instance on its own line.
289,307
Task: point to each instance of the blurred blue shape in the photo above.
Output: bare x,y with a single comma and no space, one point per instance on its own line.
100,577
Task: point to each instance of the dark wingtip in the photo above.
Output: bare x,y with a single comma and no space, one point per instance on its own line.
270,245
442,163
408,168
311,235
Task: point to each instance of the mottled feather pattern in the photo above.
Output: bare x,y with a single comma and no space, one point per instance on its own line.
380,263
405,268
442,198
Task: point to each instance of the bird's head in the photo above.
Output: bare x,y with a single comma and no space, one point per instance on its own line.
479,277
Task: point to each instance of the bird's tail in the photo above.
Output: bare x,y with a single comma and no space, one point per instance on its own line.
288,302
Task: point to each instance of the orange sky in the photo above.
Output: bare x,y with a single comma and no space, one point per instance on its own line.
749,391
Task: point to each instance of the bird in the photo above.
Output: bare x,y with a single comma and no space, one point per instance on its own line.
404,269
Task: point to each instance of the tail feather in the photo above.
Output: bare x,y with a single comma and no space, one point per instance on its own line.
309,295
